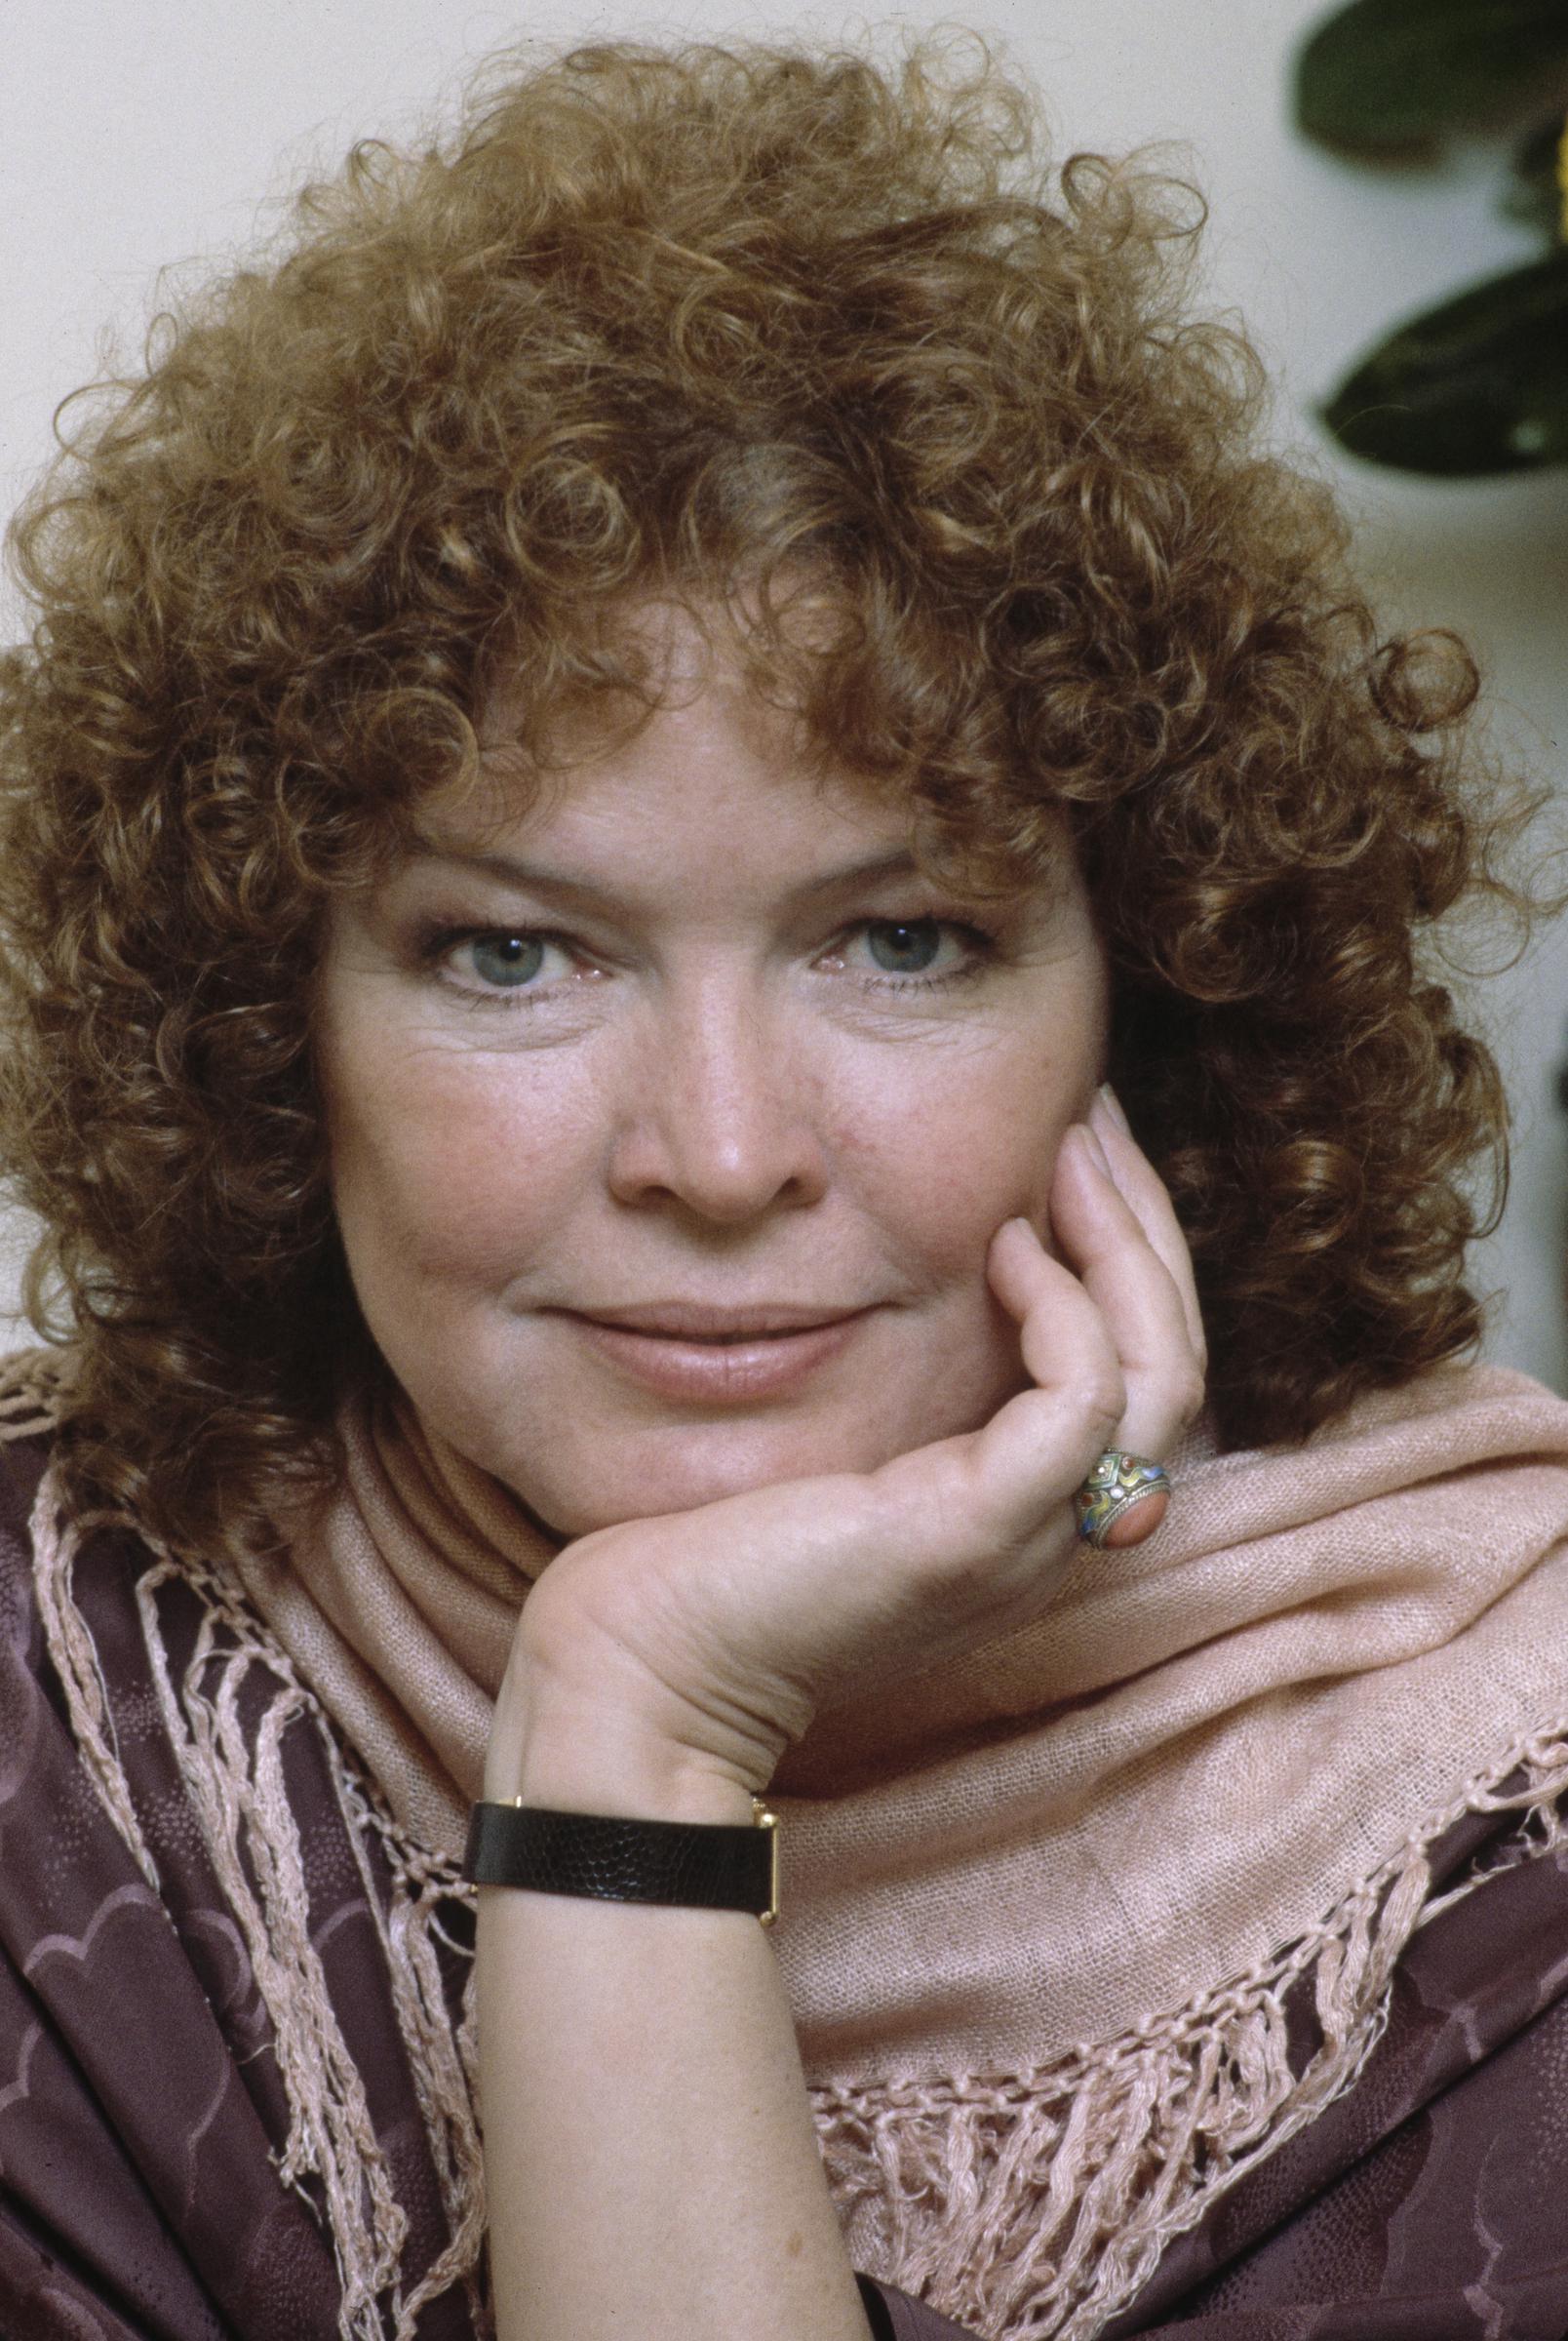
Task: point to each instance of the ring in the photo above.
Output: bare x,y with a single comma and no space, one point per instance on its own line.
1118,1483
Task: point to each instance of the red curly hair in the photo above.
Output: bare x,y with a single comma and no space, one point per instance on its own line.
710,321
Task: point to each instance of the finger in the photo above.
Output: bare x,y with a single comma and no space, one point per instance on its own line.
1105,1242
1066,1343
1014,1476
998,1501
1158,1403
1145,1192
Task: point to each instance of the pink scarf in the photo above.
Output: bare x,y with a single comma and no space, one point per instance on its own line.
1040,1909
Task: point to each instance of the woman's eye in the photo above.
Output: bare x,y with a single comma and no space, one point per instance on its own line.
507,959
921,951
904,946
501,961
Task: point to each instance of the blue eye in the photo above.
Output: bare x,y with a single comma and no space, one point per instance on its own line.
507,960
904,946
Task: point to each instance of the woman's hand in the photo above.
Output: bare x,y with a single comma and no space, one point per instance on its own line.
718,1632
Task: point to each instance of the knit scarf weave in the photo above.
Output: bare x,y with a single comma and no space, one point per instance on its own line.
1043,1908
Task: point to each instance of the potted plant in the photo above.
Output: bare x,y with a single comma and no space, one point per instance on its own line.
1479,384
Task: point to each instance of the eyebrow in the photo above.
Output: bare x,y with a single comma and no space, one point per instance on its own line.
540,877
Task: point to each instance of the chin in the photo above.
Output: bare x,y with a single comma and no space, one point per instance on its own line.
686,1467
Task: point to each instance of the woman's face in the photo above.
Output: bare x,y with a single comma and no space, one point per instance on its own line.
670,1119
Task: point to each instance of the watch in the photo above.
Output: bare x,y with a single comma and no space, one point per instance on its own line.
705,1865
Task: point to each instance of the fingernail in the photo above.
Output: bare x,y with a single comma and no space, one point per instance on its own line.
1106,1096
1095,1148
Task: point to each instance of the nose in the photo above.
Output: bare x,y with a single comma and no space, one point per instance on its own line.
718,1111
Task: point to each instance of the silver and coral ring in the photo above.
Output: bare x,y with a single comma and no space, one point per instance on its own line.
1117,1484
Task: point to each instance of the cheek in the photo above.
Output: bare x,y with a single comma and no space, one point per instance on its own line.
947,1157
443,1170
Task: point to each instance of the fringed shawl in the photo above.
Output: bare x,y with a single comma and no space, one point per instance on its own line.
1052,1917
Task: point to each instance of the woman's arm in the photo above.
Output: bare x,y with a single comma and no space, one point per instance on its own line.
649,2142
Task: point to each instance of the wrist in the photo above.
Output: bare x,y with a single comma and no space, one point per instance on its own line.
579,1756
582,1723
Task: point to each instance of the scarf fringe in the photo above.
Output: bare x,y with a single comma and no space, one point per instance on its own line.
33,1386
1038,2204
55,1544
444,2058
234,1773
234,1777
1033,2204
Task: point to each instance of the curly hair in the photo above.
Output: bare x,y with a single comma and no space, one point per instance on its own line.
710,321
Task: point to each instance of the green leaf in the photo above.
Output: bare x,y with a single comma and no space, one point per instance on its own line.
1385,76
1532,195
1479,384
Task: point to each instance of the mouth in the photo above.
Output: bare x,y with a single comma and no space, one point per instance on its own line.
717,1356
717,1322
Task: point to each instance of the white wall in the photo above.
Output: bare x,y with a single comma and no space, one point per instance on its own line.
133,137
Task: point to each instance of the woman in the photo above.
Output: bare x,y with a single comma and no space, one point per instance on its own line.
616,749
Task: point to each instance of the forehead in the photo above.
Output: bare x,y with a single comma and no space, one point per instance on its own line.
680,729
691,742
711,793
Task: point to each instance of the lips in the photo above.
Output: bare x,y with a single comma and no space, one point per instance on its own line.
693,1353
719,1321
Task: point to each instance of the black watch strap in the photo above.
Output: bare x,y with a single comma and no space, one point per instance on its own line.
704,1865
